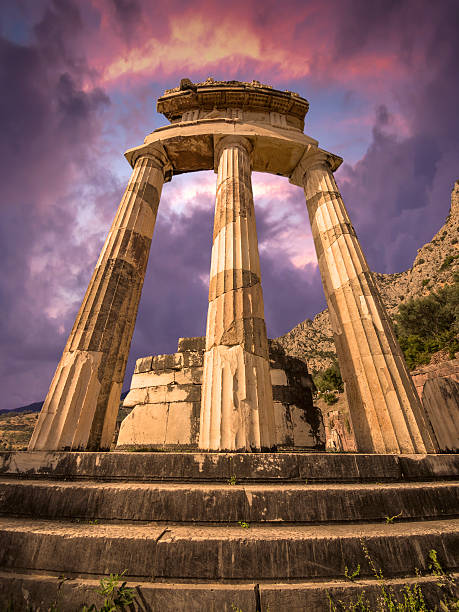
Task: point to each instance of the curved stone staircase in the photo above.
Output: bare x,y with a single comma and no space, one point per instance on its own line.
221,532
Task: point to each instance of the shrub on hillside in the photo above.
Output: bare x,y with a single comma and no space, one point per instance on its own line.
429,324
329,379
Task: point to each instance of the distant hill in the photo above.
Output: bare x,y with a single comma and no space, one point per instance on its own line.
434,266
16,426
35,407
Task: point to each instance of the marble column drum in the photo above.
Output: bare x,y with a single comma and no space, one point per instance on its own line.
386,413
237,405
82,403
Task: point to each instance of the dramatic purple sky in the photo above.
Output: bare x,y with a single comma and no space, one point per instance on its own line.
79,83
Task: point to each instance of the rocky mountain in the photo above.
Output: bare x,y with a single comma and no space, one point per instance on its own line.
434,266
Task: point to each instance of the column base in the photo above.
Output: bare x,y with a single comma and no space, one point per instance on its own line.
237,405
66,417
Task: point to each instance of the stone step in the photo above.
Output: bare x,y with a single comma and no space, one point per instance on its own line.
260,467
21,591
193,502
216,553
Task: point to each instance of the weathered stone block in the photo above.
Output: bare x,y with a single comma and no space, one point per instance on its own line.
136,396
302,433
143,364
183,393
281,394
151,379
189,375
193,359
157,395
145,426
278,377
194,344
179,424
441,401
283,424
164,363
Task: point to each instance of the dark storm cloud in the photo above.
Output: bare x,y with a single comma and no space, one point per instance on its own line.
400,191
128,15
48,125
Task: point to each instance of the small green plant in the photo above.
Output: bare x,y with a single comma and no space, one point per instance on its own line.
421,261
448,261
243,524
236,608
445,581
353,575
116,597
329,398
93,522
391,519
232,480
409,599
425,282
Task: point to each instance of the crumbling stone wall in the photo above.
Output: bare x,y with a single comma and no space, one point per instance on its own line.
165,401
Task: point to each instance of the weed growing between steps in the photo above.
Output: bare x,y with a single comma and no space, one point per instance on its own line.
409,599
116,597
391,519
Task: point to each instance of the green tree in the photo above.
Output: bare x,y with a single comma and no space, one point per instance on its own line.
329,379
428,324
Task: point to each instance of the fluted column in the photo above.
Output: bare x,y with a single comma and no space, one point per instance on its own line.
237,404
82,403
385,409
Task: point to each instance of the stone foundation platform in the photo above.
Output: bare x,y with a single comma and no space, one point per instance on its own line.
213,531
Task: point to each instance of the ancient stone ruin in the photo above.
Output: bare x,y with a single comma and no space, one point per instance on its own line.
211,523
233,128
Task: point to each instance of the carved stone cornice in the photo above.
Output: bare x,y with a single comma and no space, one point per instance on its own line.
313,156
157,154
225,95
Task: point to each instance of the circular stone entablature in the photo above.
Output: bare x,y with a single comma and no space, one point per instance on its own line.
233,100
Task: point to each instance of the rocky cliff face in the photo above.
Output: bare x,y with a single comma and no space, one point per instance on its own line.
434,265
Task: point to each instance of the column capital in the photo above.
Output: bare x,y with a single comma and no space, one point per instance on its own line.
158,157
231,141
313,156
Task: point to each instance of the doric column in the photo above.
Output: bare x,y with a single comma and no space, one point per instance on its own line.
82,403
385,409
237,404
